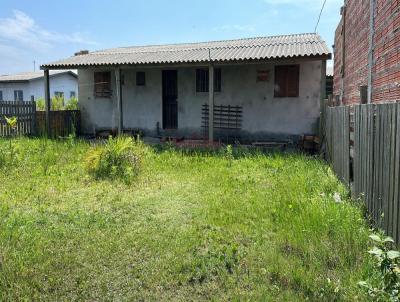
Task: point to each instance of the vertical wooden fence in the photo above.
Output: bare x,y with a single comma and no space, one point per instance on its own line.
376,158
337,133
24,111
32,122
62,123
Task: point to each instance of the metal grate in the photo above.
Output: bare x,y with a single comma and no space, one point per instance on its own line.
225,117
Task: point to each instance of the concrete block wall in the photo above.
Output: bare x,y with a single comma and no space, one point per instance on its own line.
386,58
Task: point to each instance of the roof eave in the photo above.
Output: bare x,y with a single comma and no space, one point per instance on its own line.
326,56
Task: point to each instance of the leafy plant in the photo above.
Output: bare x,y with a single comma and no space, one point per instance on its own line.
40,106
119,158
57,103
12,123
72,104
229,154
386,285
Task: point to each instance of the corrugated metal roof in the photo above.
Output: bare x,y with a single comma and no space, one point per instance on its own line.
261,48
29,76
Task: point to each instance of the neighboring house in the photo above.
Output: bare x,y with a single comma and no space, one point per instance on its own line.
265,88
29,86
367,53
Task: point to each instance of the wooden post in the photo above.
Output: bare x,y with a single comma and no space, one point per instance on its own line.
211,103
47,101
119,100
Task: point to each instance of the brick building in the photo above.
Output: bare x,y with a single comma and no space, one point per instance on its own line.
367,51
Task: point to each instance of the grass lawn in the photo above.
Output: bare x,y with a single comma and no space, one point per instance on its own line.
191,227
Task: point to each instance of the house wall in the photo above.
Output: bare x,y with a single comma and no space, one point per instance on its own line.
352,57
263,115
63,82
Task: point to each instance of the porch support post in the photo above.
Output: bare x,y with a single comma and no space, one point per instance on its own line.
119,100
211,102
47,101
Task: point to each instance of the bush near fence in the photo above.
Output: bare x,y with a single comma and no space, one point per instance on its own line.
372,172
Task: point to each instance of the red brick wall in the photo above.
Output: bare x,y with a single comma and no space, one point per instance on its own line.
386,68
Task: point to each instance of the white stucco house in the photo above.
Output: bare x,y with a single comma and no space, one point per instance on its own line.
265,88
29,86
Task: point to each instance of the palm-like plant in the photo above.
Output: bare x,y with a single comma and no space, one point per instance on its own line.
12,123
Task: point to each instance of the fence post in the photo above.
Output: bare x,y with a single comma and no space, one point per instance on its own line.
47,100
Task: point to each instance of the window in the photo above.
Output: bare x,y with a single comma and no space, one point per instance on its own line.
287,81
202,80
140,78
1,95
72,94
18,95
364,94
32,98
59,94
102,84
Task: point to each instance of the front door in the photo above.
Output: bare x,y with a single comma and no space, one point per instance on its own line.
170,99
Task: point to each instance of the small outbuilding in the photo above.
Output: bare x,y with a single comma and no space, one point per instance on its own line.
254,89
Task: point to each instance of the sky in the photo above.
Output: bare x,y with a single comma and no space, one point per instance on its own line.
45,31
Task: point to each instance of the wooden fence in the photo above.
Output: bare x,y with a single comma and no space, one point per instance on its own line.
337,130
376,158
32,122
25,111
62,123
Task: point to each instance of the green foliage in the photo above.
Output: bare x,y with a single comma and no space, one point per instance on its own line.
229,154
58,103
72,104
385,284
40,105
11,122
119,158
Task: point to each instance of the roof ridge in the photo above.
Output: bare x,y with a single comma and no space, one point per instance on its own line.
204,42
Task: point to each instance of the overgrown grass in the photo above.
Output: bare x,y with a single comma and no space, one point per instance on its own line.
190,227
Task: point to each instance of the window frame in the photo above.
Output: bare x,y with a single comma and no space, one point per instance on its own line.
287,89
202,80
140,78
72,94
59,94
102,84
18,93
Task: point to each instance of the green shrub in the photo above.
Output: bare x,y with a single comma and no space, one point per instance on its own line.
57,103
119,158
40,106
72,104
384,285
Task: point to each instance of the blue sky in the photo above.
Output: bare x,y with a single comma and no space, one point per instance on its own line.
45,30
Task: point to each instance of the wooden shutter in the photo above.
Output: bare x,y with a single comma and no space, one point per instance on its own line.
98,79
293,81
287,81
102,84
280,81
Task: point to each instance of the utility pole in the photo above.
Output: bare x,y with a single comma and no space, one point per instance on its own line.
34,65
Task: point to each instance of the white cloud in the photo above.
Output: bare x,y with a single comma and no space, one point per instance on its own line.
23,29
